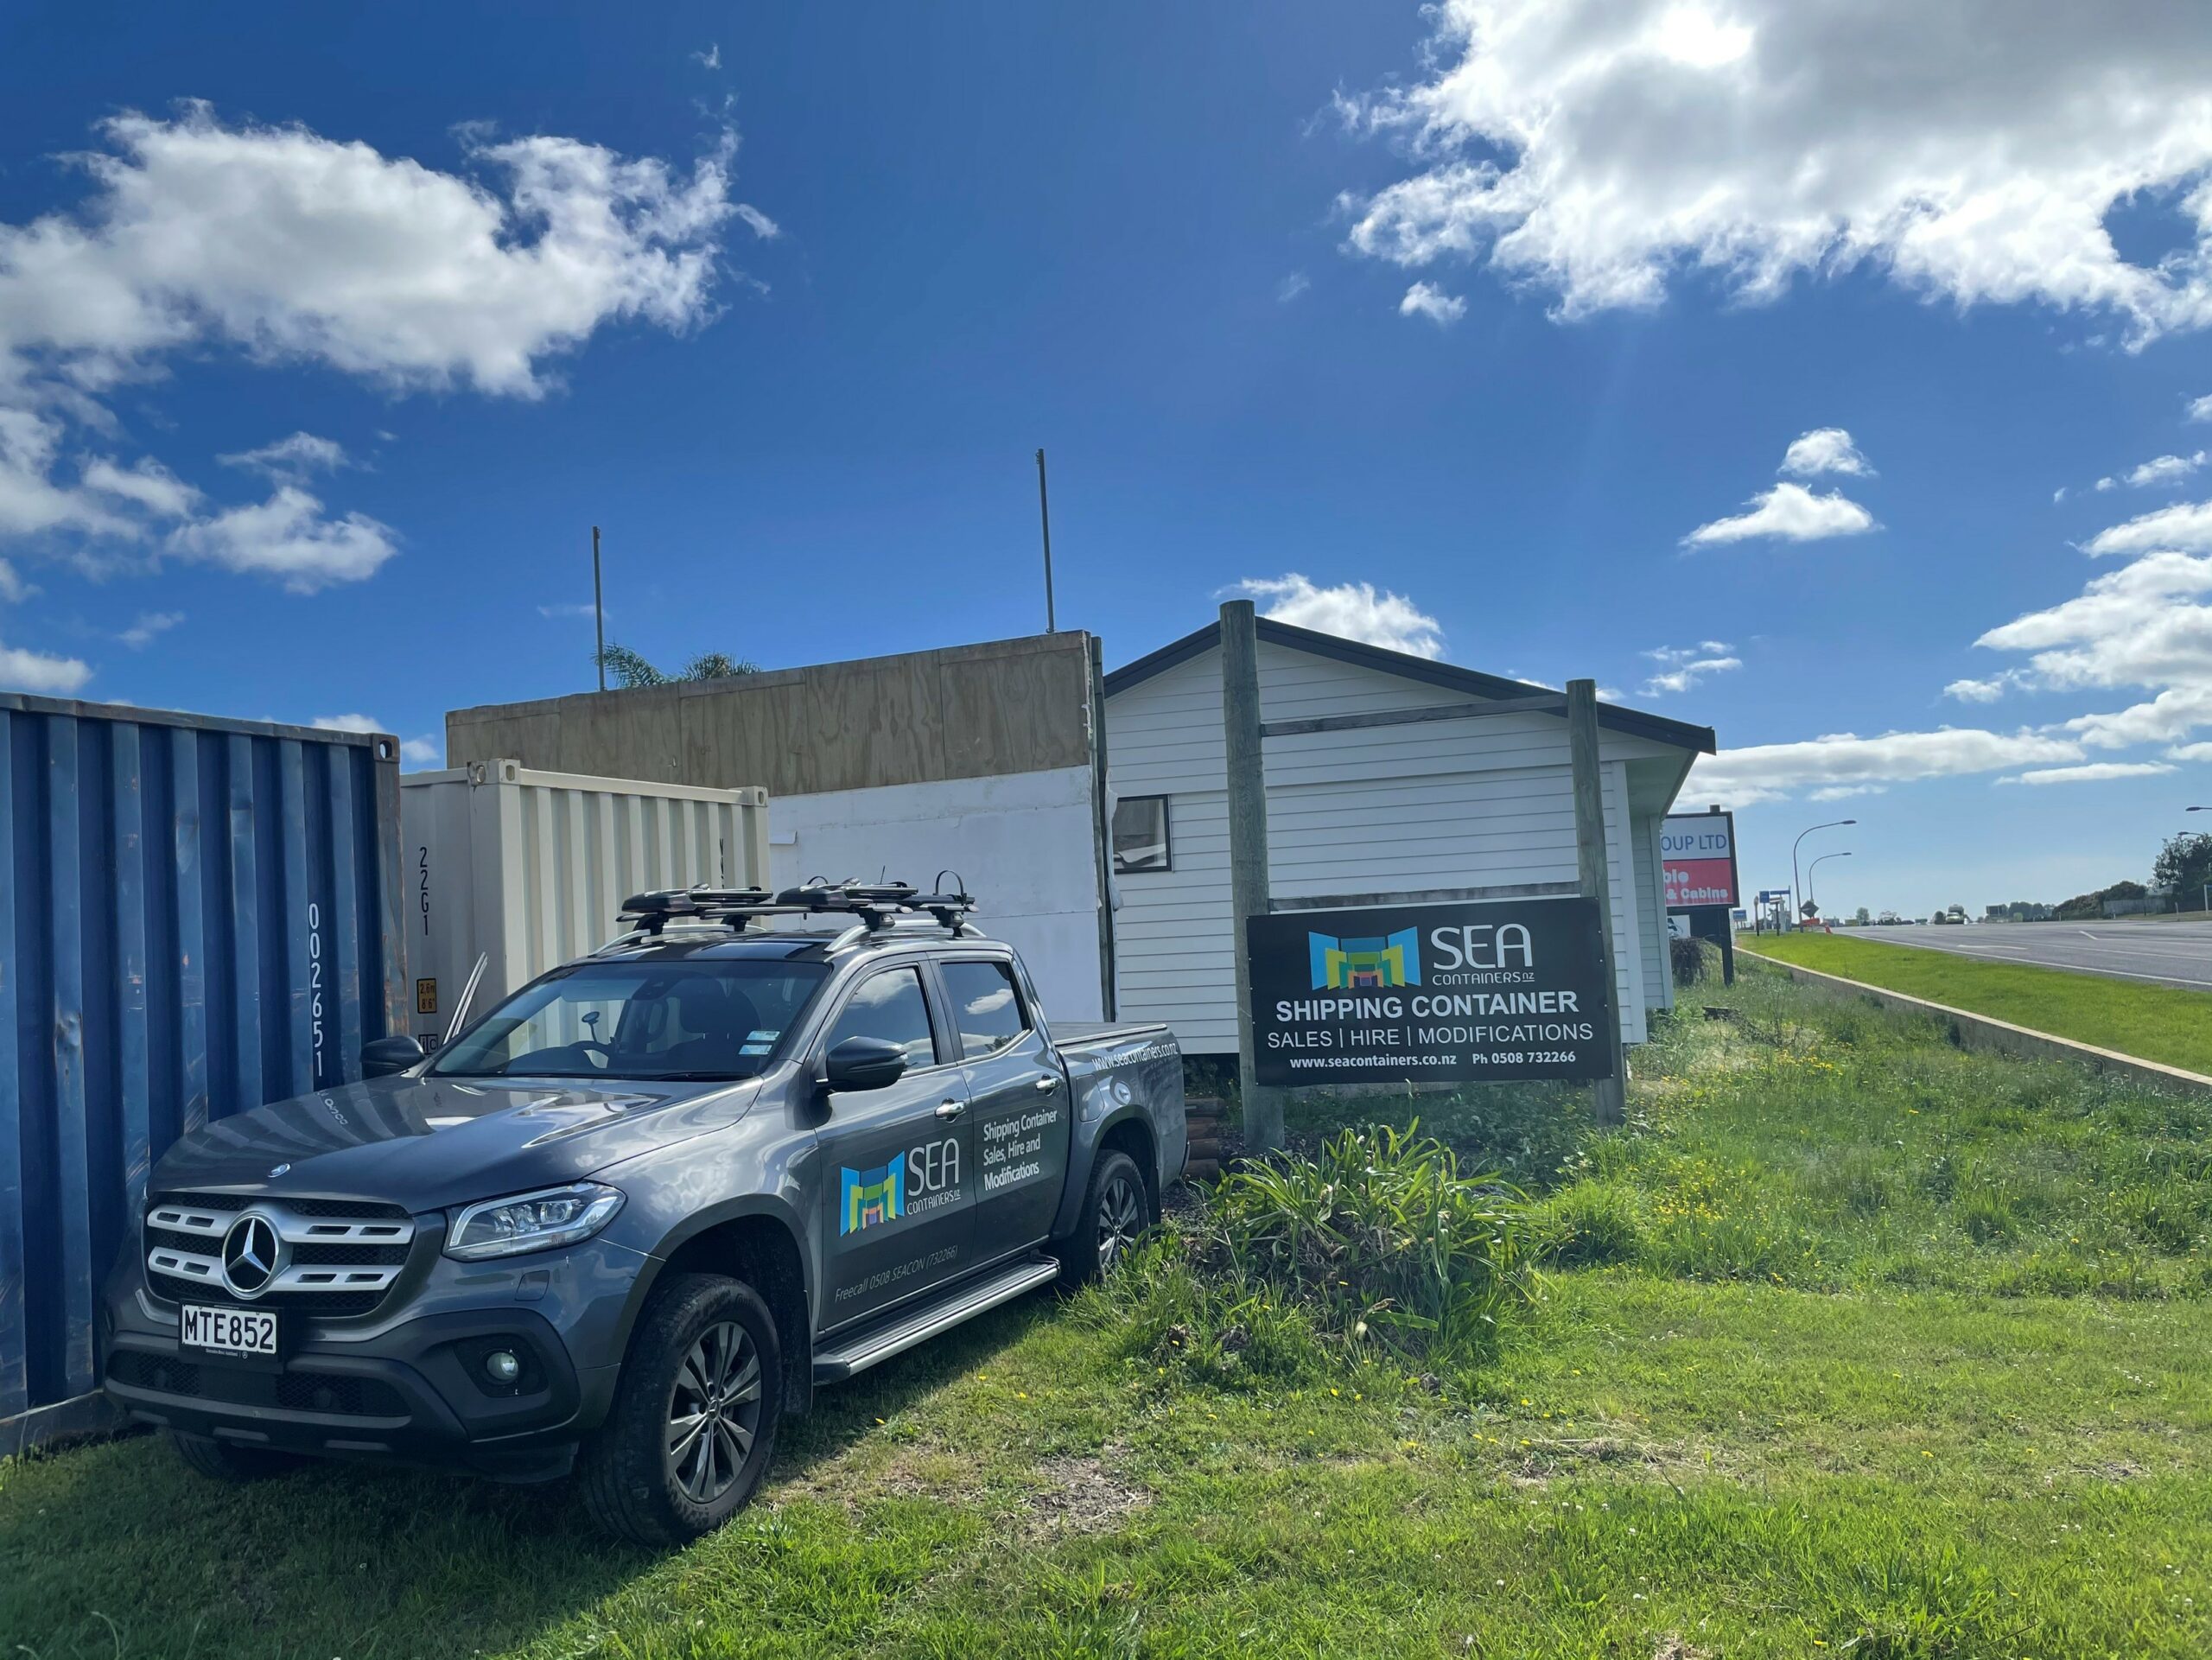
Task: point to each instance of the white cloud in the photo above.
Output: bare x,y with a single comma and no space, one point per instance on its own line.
1824,449
1843,759
567,610
36,671
1845,792
290,460
2142,625
1350,610
2185,524
2199,408
2162,470
1977,691
1601,149
288,243
2058,495
711,58
2095,772
14,591
756,221
1291,286
283,246
289,537
421,751
350,724
150,624
1681,667
1426,300
2190,751
1787,512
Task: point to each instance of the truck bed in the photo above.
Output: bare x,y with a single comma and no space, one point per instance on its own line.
1111,1063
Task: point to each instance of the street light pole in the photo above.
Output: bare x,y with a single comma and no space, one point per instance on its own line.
1833,823
1816,864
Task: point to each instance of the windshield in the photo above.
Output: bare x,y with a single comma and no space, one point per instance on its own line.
702,1020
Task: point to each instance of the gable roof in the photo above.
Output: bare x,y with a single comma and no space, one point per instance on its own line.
1633,722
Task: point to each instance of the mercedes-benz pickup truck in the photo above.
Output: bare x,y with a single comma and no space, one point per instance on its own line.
626,1222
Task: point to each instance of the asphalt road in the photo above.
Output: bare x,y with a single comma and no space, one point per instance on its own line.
2166,953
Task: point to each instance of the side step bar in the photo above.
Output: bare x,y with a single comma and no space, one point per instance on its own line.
856,1353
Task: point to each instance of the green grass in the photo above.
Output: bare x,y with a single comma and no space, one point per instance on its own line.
1852,1344
2161,1023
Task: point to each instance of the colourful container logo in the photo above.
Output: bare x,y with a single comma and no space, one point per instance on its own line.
1365,964
872,1196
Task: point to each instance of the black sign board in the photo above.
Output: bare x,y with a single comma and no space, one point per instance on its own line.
1483,992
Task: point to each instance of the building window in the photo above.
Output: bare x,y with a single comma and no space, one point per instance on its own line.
1140,836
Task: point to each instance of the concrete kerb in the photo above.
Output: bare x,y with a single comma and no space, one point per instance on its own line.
1971,1031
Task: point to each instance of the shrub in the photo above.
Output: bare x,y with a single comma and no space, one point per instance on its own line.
1688,956
1379,1238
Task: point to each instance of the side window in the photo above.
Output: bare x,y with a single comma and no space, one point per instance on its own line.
1141,834
890,1006
986,1010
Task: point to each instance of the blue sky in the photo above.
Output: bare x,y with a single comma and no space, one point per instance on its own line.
785,301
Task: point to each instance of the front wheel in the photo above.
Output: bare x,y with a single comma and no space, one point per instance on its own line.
1116,1210
694,1422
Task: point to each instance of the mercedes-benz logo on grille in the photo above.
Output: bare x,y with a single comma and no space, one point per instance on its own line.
252,1253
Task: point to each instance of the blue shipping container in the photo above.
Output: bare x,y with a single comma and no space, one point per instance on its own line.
196,916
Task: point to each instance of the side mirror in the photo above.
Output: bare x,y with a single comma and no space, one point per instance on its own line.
384,1056
865,1064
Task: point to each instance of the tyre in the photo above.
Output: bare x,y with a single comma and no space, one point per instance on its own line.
222,1461
693,1425
1116,1209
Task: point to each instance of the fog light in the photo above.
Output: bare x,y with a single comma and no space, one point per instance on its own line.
501,1366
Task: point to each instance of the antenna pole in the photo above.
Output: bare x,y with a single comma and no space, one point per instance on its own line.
598,610
1045,514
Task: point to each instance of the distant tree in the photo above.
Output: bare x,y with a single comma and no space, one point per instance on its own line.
629,670
2184,867
1862,919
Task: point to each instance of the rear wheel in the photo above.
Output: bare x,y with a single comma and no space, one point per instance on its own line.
1116,1210
694,1422
223,1461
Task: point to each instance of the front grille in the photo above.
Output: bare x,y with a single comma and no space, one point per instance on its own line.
331,1393
365,1208
337,1259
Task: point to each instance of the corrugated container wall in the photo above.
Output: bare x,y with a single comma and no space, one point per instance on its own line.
196,917
530,869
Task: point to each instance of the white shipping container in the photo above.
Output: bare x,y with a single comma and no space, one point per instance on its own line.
530,869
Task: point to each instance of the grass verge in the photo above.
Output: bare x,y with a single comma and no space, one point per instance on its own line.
1850,1344
2161,1023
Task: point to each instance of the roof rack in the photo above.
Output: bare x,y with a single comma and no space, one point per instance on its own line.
876,906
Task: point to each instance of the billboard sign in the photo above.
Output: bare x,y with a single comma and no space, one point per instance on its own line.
1697,852
1452,992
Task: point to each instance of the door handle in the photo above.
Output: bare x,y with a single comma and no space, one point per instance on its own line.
1045,1085
950,1108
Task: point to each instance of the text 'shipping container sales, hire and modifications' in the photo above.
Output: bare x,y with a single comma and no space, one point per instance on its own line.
1464,992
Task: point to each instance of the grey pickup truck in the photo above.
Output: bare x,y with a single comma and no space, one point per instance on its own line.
630,1219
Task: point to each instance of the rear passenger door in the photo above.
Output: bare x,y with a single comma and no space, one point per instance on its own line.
1016,1099
897,1192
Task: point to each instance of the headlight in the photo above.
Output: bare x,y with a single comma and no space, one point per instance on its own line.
508,1227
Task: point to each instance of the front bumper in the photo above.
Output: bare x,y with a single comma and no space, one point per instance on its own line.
406,1383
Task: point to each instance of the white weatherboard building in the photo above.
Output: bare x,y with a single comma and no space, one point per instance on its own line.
1476,807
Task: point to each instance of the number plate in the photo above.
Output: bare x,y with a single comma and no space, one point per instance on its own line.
229,1330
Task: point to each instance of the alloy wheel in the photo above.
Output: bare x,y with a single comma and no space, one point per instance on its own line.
714,1411
1120,1219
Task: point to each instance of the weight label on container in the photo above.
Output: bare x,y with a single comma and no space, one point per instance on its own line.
426,996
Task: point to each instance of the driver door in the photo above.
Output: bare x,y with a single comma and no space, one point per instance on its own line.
897,1207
